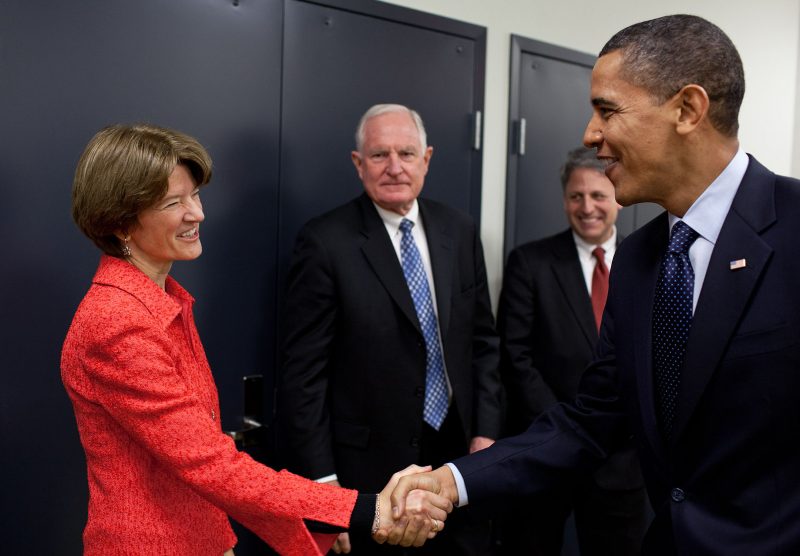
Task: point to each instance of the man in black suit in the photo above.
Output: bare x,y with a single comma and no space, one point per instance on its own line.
699,351
371,365
554,290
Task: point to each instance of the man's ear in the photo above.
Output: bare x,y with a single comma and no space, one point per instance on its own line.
428,154
692,104
355,156
426,157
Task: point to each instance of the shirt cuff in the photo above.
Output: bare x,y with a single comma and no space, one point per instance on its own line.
327,478
460,486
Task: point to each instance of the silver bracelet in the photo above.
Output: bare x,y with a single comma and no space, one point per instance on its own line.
376,523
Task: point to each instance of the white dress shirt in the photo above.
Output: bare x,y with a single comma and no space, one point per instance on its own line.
589,261
707,214
392,222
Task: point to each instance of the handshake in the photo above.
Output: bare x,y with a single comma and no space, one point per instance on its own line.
412,507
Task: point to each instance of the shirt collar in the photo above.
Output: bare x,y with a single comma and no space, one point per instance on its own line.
392,220
708,212
609,246
164,305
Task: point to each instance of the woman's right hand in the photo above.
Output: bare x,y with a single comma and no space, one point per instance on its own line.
423,516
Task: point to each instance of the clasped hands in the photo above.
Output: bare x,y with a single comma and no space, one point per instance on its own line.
413,506
411,509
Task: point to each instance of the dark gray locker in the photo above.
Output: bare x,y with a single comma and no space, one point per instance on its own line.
341,58
211,69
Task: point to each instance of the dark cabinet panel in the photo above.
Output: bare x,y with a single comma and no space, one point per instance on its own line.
210,69
337,63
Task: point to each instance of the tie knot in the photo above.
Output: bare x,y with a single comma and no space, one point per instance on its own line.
599,254
681,238
406,225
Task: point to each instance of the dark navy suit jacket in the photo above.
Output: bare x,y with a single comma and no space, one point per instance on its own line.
728,481
548,334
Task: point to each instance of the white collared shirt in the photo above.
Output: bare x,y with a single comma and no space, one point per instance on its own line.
392,222
708,213
588,261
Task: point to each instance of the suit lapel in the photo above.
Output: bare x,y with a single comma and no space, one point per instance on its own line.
569,276
726,292
644,272
440,246
379,251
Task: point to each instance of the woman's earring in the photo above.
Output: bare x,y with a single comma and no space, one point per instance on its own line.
126,251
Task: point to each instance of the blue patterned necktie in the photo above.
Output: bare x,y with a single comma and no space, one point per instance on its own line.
436,396
672,319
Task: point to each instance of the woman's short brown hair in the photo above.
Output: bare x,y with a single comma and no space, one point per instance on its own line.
124,170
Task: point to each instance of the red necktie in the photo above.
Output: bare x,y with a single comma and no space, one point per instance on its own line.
599,284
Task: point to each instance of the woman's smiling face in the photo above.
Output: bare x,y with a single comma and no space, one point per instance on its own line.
170,230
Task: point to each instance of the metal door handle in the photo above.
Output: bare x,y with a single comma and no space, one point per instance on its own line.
252,430
477,124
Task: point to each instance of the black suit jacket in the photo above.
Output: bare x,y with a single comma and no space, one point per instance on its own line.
728,481
353,383
548,334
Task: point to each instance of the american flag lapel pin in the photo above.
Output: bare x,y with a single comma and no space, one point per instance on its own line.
738,263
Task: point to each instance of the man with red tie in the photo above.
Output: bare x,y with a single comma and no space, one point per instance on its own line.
550,308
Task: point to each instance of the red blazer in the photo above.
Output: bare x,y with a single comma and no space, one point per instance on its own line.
162,474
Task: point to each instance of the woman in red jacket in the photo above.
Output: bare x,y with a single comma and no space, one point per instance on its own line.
163,477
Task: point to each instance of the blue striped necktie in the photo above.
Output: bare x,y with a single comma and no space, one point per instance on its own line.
436,396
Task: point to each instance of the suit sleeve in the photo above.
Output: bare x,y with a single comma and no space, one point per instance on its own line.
309,328
564,443
488,389
528,393
128,363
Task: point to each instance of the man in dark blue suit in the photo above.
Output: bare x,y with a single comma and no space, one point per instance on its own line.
699,352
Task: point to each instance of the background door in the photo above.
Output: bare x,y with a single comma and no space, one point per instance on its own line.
548,112
339,61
